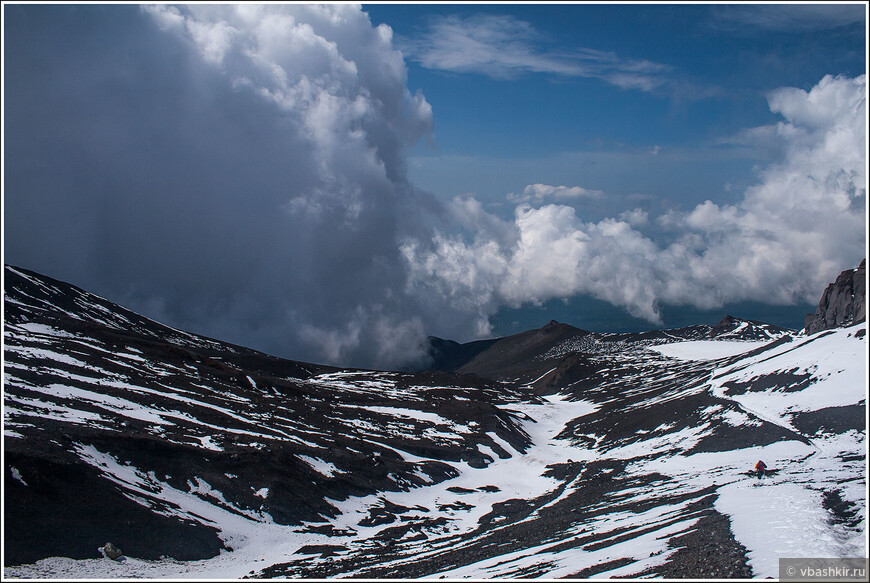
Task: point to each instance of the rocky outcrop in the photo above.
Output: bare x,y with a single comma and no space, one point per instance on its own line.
842,304
731,328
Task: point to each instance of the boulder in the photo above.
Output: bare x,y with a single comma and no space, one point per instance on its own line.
112,551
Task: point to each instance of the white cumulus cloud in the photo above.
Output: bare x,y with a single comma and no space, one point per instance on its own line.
791,233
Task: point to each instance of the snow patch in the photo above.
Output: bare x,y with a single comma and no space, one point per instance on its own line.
17,475
323,468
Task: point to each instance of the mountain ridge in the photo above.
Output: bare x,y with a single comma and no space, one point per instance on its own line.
533,357
629,458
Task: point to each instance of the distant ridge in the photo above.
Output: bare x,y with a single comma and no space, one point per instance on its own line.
520,356
450,355
552,357
512,354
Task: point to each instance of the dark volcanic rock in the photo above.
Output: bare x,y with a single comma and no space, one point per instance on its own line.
831,420
709,550
112,551
843,303
534,358
89,386
732,328
67,509
521,356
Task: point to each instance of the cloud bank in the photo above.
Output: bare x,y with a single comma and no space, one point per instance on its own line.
339,88
790,234
239,171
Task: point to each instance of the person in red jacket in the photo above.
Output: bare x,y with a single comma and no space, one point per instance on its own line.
760,467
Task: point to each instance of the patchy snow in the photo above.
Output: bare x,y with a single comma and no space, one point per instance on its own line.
43,330
208,442
530,383
782,514
408,414
9,432
738,418
706,349
681,440
115,405
24,408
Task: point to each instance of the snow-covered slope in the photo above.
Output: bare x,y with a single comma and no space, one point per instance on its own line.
124,432
232,462
813,502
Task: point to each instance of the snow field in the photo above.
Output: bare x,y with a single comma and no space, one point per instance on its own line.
834,359
783,515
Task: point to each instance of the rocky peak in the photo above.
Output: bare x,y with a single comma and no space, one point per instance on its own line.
733,328
726,324
843,303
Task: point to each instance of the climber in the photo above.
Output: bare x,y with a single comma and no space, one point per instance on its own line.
760,467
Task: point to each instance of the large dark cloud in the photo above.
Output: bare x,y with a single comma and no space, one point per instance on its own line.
140,167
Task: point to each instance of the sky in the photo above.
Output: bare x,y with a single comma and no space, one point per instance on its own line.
335,182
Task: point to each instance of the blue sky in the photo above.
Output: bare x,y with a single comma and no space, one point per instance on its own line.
335,182
714,65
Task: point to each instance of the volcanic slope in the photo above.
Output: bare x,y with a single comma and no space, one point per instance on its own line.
119,428
235,463
554,356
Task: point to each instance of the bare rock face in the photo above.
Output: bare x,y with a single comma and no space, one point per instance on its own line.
842,304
